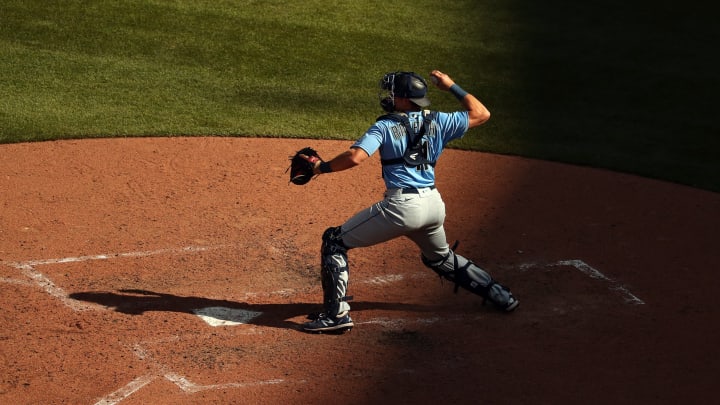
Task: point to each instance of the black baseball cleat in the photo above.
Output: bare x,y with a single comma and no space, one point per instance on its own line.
501,297
325,324
510,305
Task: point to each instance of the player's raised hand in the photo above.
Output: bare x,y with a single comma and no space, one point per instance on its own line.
441,80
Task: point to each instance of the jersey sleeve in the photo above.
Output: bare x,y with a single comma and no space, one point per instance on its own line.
453,125
370,142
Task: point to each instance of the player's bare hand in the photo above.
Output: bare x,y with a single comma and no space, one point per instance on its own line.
441,80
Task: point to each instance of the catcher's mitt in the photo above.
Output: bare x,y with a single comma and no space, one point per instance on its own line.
301,169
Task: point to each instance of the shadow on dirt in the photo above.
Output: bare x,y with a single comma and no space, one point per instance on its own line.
137,302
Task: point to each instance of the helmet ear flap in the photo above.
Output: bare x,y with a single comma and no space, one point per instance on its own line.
387,104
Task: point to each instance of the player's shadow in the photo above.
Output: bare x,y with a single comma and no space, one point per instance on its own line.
137,302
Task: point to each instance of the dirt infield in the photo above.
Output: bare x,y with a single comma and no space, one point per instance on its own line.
177,271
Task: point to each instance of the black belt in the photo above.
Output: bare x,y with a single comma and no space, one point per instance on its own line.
414,190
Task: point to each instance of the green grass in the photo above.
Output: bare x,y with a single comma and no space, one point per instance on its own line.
629,86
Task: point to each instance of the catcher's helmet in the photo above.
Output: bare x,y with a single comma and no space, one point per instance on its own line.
402,84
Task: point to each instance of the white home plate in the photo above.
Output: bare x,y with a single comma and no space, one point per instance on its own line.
221,316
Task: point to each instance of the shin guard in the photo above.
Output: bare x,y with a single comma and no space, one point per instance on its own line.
334,273
466,274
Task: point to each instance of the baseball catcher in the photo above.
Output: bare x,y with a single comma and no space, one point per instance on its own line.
409,141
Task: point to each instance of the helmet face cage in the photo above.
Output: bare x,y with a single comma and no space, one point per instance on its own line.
387,92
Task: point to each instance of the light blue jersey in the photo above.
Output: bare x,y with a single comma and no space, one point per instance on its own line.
391,139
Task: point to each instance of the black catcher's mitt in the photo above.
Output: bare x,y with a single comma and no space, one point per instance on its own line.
301,169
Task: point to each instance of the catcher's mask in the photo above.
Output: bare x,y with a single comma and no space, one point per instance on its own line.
405,85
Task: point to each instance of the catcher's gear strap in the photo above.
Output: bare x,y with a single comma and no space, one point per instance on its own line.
416,153
334,272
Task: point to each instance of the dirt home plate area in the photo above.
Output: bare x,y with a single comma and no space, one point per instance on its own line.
178,271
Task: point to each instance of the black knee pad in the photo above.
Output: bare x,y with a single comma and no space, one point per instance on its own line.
332,241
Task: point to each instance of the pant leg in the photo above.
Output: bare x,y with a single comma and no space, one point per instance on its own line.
430,237
418,217
376,224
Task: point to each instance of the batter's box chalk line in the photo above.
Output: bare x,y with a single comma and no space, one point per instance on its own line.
162,371
37,278
593,273
180,381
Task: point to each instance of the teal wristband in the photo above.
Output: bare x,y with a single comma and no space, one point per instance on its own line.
456,91
325,167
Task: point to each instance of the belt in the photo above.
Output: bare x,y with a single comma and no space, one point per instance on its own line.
415,190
